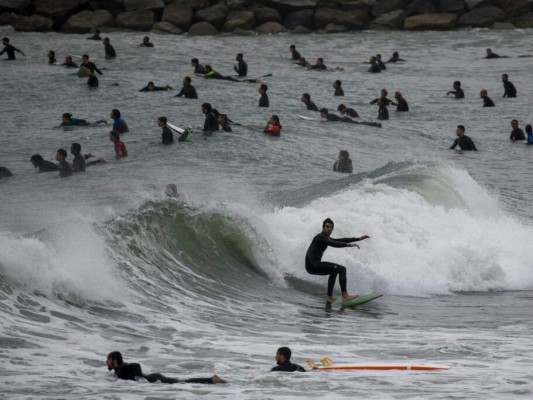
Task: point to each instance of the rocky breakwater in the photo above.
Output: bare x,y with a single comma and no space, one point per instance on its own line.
209,17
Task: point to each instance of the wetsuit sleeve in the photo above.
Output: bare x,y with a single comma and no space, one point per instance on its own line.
97,70
347,240
3,51
374,101
181,93
276,368
473,145
455,143
336,242
129,371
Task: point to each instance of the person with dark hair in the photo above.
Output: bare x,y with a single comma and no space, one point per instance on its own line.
95,36
343,110
343,163
315,266
306,99
324,113
52,57
283,357
92,82
273,126
490,54
401,103
465,143
457,91
198,68
167,137
211,74
383,102
109,50
516,133
146,42
68,120
65,169
509,88
338,89
187,90
42,164
119,124
133,372
263,100
78,164
374,66
120,147
211,121
380,62
5,172
319,65
241,68
529,132
223,121
487,101
150,87
86,64
10,50
294,53
395,58
302,62
69,63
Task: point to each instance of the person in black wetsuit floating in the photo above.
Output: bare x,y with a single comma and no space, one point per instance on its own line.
241,68
133,372
315,266
95,36
487,101
283,357
510,90
516,133
457,91
263,100
465,142
10,49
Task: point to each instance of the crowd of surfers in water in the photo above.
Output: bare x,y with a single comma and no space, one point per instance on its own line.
216,121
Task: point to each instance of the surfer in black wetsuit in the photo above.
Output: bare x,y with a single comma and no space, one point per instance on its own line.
109,50
487,101
319,65
198,68
241,68
95,36
294,53
44,166
343,163
10,50
224,122
306,99
401,103
380,62
69,63
78,164
457,91
374,66
150,87
65,169
5,172
383,102
343,110
302,62
92,82
88,64
209,73
516,133
167,137
146,42
490,54
188,90
315,266
52,57
395,58
133,371
338,89
465,143
324,113
510,90
263,100
283,357
211,122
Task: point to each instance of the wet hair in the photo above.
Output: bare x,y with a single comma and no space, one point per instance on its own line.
320,59
398,93
5,39
115,112
306,96
264,87
215,112
37,159
341,107
76,148
506,76
327,221
239,55
171,190
149,83
461,127
208,67
384,91
292,47
458,83
106,40
514,120
147,38
489,51
194,61
188,79
62,153
528,128
207,106
324,111
344,154
97,31
396,54
163,120
85,56
67,115
276,120
115,135
378,56
52,53
337,82
483,92
285,352
116,355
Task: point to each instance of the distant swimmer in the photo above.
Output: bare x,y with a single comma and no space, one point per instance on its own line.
241,68
224,123
150,87
68,120
69,63
319,65
295,55
343,163
92,82
187,90
52,57
303,62
273,126
338,89
109,50
401,103
510,90
383,102
167,137
529,132
120,147
516,133
283,357
380,62
487,101
211,122
457,91
146,42
85,63
80,161
263,100
306,99
95,36
464,142
5,172
133,372
42,164
350,112
395,58
209,73
10,50
374,66
65,169
118,122
315,266
198,68
490,54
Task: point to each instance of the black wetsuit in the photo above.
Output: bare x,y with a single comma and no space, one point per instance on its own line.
65,169
188,91
91,65
374,67
109,51
402,105
199,69
71,64
241,68
517,134
487,102
343,166
383,112
132,371
321,67
465,143
149,44
78,164
315,266
295,55
52,61
384,101
352,113
92,81
510,90
216,75
211,123
311,106
459,93
48,166
226,127
493,55
155,89
381,65
10,50
167,137
339,92
5,172
393,60
263,101
287,366
333,117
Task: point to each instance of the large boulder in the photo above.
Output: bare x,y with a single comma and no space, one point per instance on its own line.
202,29
84,21
19,6
386,6
421,7
56,9
178,14
239,20
357,19
32,23
237,4
195,4
135,5
166,28
336,28
270,28
215,14
452,6
433,22
113,6
301,17
515,8
502,26
394,19
266,14
141,20
350,5
524,21
482,17
292,4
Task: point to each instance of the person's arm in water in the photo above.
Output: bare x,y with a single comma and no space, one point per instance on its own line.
454,145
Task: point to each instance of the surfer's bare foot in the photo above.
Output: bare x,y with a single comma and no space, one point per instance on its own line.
348,297
331,299
218,379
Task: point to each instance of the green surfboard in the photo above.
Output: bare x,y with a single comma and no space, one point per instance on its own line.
361,300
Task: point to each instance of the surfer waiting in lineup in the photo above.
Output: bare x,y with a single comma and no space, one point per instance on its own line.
263,100
465,142
188,90
338,89
315,266
241,68
457,91
295,55
487,101
283,357
306,99
510,90
109,50
10,49
146,42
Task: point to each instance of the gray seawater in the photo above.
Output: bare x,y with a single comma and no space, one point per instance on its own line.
213,282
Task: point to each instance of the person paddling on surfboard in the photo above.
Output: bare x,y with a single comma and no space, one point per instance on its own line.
315,266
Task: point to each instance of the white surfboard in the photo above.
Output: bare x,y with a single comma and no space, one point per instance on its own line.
175,128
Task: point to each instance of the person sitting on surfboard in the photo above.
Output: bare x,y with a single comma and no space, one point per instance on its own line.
283,356
133,371
315,266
